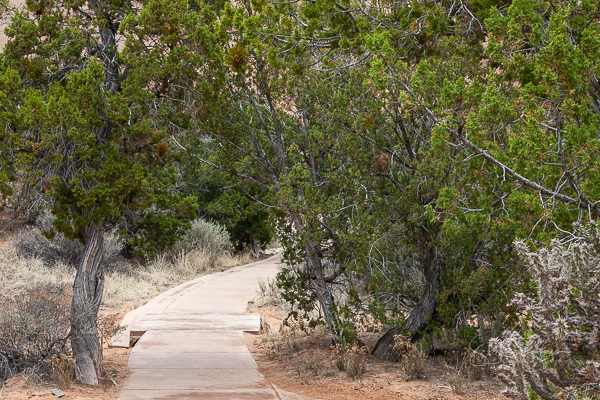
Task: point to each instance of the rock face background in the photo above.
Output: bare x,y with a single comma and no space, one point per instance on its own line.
4,22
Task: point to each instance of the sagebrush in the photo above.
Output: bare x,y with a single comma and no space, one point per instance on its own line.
351,359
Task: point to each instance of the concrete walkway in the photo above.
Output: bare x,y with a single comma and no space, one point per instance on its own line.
191,340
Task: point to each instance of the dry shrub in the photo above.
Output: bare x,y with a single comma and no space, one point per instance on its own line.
352,360
34,327
472,365
455,374
477,365
62,370
456,383
43,243
269,294
108,327
19,274
558,358
412,357
32,244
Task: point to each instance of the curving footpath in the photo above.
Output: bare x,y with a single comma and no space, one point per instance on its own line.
189,341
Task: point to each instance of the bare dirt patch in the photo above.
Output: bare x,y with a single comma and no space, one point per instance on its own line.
307,364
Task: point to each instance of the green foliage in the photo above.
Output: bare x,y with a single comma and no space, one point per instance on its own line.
155,231
238,211
429,127
238,206
244,219
90,132
401,148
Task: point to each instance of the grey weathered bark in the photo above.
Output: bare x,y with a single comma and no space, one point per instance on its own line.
318,285
88,289
254,248
433,268
317,282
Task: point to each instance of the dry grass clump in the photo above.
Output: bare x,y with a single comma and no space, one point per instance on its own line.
351,359
62,370
18,274
268,294
413,359
142,283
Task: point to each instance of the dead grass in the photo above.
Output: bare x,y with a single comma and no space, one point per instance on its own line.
412,358
18,274
142,283
124,289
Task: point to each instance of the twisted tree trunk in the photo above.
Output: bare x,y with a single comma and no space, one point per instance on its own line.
433,268
254,248
87,295
318,285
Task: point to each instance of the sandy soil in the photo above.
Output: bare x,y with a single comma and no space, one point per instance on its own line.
305,364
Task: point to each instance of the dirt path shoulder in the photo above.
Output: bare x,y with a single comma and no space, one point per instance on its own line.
308,365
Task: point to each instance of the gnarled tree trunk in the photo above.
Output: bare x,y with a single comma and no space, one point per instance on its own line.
433,268
316,278
254,248
87,295
318,285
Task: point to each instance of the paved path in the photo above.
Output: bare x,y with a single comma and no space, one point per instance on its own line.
192,340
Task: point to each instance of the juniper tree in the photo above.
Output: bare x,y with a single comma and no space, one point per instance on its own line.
91,92
446,121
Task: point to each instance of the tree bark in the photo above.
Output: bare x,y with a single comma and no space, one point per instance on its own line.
318,285
88,289
433,268
254,248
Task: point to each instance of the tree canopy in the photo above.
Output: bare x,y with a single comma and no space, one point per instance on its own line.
391,131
